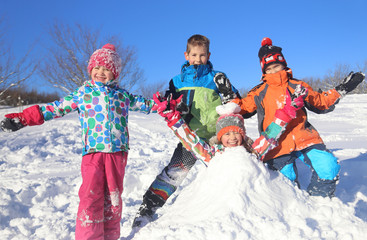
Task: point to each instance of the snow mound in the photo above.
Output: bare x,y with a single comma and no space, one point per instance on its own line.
230,200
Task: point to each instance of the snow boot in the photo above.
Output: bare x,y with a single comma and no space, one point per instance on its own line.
151,202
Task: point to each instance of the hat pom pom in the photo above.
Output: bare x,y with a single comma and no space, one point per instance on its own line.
266,41
110,47
228,108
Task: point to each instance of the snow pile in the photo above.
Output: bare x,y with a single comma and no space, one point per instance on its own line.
238,198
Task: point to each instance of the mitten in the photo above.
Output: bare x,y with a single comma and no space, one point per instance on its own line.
293,103
167,108
261,146
11,124
29,117
158,99
225,87
350,82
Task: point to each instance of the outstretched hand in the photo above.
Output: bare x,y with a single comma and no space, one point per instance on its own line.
11,124
167,108
225,87
350,82
293,103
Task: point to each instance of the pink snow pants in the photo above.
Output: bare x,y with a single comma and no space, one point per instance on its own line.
100,206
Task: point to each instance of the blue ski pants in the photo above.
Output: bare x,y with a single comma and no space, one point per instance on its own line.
323,164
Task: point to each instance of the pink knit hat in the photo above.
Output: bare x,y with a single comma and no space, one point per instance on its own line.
107,57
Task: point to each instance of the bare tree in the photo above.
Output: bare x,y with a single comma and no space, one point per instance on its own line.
335,77
66,61
147,90
362,88
315,83
13,72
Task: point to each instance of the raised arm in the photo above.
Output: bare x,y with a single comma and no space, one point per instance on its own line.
30,116
167,108
269,138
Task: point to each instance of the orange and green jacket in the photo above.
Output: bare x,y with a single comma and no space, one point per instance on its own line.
269,96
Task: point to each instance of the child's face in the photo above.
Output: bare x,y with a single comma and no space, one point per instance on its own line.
101,74
197,55
274,68
231,139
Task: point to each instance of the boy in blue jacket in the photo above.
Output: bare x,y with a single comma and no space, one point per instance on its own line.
201,96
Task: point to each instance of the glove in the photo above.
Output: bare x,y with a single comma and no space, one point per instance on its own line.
11,124
350,82
167,108
158,99
225,87
261,146
293,103
29,117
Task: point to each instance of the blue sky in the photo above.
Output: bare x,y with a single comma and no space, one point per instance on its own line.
315,36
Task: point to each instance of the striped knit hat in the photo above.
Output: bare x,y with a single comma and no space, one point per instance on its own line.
229,120
269,54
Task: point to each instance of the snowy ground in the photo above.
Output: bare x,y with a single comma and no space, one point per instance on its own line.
234,198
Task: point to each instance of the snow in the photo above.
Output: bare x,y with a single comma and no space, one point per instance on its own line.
236,197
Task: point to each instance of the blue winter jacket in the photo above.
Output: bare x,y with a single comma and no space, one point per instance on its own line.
200,94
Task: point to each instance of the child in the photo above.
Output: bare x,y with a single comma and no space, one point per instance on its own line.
300,139
230,129
103,113
201,96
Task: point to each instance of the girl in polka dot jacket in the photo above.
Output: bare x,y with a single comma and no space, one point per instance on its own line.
103,113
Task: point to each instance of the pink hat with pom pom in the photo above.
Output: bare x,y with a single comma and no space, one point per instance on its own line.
107,57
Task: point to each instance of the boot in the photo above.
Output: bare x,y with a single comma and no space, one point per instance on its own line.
151,202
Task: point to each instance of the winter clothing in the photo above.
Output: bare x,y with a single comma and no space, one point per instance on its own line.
350,82
230,122
268,96
299,135
103,114
107,57
323,164
225,87
270,54
100,206
201,96
300,139
168,108
28,117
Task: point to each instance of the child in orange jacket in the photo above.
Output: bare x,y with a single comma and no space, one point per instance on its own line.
300,139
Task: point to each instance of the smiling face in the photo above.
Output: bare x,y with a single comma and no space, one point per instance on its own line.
101,74
231,139
197,55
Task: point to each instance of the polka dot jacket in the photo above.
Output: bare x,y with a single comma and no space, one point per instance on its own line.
103,113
